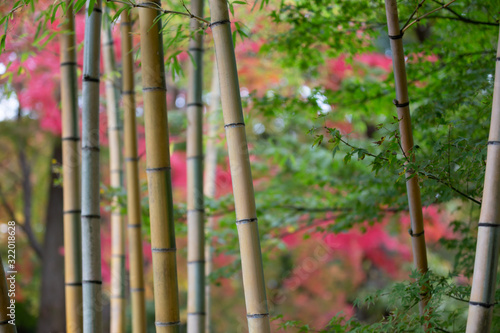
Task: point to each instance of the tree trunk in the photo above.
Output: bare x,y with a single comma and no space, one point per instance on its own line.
241,175
210,180
91,219
159,174
71,176
118,283
52,286
482,298
402,103
133,189
195,205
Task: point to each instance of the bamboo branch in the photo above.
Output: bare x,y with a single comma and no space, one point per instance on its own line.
157,7
464,19
414,12
425,15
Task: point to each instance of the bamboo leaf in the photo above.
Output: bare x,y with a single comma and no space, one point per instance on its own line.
118,13
2,42
79,5
90,7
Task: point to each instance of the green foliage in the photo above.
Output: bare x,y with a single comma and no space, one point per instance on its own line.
345,165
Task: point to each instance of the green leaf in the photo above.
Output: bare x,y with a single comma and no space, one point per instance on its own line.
2,42
318,140
118,13
79,5
90,7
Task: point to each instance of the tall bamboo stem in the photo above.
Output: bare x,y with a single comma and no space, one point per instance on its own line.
132,170
482,298
117,297
158,171
71,172
91,245
402,103
241,175
5,321
195,204
210,185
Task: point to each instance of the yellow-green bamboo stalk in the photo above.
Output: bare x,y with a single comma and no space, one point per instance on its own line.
91,219
482,298
210,185
6,322
71,172
402,103
158,171
195,205
132,171
241,175
117,297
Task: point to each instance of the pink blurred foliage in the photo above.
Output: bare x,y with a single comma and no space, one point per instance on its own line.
36,80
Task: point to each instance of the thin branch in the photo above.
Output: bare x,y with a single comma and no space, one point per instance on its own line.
27,195
428,175
413,14
453,188
464,19
425,15
6,205
457,298
160,9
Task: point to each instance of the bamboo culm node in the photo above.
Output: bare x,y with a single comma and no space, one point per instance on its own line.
132,173
482,297
248,233
158,173
90,218
210,181
402,104
195,204
117,297
71,179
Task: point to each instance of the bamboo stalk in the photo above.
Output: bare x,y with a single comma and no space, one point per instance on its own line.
195,204
5,326
158,171
482,298
405,130
71,172
241,175
91,247
117,297
132,171
210,185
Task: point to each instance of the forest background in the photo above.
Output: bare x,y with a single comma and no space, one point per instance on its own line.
316,82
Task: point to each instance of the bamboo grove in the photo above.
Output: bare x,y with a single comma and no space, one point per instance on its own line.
84,297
